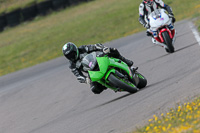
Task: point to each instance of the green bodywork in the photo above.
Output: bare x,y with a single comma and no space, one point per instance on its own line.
107,66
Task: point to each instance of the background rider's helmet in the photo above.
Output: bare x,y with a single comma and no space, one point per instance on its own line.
148,2
70,51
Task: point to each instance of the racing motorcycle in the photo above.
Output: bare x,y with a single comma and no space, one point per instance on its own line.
112,73
159,22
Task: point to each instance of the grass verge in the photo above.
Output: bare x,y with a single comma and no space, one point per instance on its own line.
97,21
10,5
184,118
197,23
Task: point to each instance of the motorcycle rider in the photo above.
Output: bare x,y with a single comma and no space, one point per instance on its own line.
75,54
148,6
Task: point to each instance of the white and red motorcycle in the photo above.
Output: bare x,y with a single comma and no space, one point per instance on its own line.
160,23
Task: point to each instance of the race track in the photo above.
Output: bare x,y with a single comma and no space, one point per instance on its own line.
47,98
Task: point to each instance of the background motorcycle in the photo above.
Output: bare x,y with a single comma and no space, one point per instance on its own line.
112,73
159,21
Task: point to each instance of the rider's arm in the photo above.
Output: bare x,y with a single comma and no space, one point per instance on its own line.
169,9
91,48
75,70
142,14
165,6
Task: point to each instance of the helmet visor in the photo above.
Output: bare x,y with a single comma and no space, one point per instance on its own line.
72,55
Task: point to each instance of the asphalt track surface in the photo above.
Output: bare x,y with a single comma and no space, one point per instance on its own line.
47,98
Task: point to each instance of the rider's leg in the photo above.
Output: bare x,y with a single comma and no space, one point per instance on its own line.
115,53
157,42
96,87
171,27
156,39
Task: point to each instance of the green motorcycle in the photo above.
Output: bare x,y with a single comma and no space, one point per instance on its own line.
112,73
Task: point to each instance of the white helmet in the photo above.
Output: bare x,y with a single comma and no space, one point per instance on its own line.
149,2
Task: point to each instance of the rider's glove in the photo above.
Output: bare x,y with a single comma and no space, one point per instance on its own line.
171,15
81,79
99,46
149,33
106,50
146,26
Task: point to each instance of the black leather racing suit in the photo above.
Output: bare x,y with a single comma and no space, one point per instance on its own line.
77,68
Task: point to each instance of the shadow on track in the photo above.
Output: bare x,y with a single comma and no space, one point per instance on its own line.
186,47
129,94
170,54
116,99
156,83
180,35
154,59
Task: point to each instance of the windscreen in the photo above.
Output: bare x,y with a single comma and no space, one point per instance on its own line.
89,61
156,14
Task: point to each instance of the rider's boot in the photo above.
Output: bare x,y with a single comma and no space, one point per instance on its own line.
148,32
134,69
128,62
158,43
173,32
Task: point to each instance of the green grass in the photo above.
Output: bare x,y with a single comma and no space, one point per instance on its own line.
97,21
197,23
185,118
10,5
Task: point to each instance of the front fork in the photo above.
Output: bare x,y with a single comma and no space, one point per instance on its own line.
160,41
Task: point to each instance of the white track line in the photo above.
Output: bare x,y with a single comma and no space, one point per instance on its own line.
195,32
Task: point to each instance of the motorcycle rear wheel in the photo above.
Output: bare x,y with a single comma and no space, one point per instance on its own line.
121,85
168,42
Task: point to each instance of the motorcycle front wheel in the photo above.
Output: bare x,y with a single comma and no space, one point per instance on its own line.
122,84
168,42
142,81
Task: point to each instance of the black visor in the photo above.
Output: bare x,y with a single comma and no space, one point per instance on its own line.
71,56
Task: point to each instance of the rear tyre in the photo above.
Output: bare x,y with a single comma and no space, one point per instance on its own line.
168,42
122,85
142,81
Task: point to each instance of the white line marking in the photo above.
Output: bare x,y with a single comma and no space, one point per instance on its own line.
196,33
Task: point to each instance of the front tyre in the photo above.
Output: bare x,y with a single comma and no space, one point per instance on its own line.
168,42
142,81
122,84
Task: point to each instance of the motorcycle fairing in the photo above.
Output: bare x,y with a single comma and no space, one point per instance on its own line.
163,30
162,19
106,62
107,66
